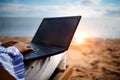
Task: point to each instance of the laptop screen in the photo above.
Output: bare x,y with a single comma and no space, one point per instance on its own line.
57,31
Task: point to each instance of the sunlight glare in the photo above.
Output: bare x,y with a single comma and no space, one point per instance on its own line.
79,38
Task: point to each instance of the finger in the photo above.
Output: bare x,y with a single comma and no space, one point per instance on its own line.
29,48
11,43
15,41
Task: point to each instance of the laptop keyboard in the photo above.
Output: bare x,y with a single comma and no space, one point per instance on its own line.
43,51
40,51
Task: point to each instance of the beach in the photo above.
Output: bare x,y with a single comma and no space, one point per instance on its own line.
95,59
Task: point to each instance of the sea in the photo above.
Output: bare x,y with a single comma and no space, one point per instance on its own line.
27,27
19,27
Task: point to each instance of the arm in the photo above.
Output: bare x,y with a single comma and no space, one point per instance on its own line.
22,47
9,43
12,60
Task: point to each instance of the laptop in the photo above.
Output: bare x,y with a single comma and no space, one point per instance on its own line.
53,36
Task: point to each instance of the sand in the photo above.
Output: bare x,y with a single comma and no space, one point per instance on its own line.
95,59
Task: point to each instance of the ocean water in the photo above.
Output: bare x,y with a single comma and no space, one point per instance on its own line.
20,27
91,27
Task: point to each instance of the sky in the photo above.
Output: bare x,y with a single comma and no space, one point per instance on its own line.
38,8
99,17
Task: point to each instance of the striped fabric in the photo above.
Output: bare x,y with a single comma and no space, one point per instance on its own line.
12,60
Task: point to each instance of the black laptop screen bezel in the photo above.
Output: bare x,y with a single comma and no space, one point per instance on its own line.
62,43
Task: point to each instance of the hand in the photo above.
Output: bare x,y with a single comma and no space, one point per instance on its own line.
22,47
9,43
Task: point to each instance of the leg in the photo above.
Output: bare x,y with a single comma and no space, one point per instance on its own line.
42,69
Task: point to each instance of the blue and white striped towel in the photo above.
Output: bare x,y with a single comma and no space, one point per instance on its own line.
12,60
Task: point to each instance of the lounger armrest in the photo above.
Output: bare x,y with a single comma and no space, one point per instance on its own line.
66,74
4,75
